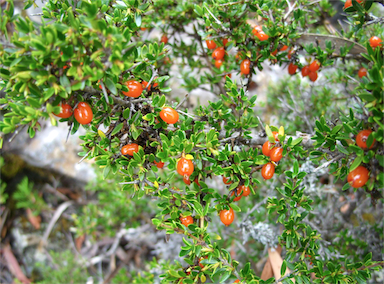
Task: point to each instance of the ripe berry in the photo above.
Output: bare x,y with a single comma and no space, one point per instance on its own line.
129,149
361,139
65,111
257,29
245,189
314,66
362,72
159,164
290,52
276,154
225,41
169,115
83,113
262,36
135,89
187,220
305,71
185,167
211,44
245,66
197,181
238,194
274,52
292,69
375,42
227,216
348,3
358,177
218,63
164,39
267,171
267,148
275,135
218,53
226,180
312,76
145,84
284,48
187,180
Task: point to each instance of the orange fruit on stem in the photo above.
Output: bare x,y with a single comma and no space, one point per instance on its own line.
65,111
226,180
358,177
225,41
187,180
187,220
267,147
312,76
135,89
227,216
305,71
276,154
218,63
129,149
83,113
257,30
169,115
262,36
238,194
245,189
245,66
218,53
362,72
185,167
314,66
210,44
164,39
361,139
159,164
292,69
275,135
284,48
375,42
267,171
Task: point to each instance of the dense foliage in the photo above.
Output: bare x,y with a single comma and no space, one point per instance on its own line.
92,64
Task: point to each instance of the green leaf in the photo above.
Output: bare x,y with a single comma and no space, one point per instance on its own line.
111,86
117,129
283,267
356,163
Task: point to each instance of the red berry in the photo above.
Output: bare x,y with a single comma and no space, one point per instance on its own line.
145,84
274,52
65,111
292,69
358,177
276,154
226,180
284,48
347,4
375,42
159,164
227,216
83,113
129,149
238,194
262,36
245,66
225,41
267,146
187,220
305,71
361,139
210,44
267,171
185,167
314,66
164,39
290,52
169,115
135,89
312,76
257,29
197,181
187,179
218,53
362,72
218,63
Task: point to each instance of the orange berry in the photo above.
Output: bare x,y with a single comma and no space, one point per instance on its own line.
226,180
267,147
314,66
305,71
129,149
210,44
257,30
267,171
362,72
274,52
187,179
169,115
358,177
135,89
218,53
187,220
185,167
290,52
361,139
276,154
65,111
159,164
218,63
245,189
164,39
83,113
262,36
275,135
225,41
312,76
238,194
375,42
227,216
284,48
245,66
292,69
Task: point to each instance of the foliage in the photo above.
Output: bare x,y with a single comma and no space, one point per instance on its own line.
87,50
25,197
